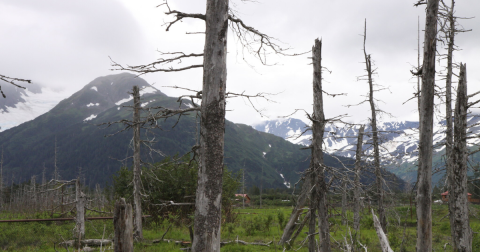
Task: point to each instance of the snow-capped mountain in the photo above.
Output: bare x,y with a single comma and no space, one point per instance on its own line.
399,140
22,105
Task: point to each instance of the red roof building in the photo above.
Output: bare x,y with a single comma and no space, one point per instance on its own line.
445,197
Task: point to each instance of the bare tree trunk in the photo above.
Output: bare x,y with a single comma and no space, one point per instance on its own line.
424,180
137,201
318,128
313,207
1,182
356,191
449,164
381,235
208,211
299,229
297,210
122,222
80,205
344,202
457,193
376,153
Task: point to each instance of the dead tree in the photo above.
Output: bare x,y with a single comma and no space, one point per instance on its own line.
357,188
213,95
137,201
381,235
424,179
80,218
1,182
457,192
380,192
318,128
123,224
297,210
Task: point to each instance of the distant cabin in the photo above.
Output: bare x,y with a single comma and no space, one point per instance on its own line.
240,196
445,198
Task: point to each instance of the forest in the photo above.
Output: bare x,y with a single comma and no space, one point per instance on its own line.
182,183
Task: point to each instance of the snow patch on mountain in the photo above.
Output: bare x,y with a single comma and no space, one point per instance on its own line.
93,104
94,88
34,105
90,118
124,100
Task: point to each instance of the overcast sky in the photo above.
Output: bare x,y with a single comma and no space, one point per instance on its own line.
66,44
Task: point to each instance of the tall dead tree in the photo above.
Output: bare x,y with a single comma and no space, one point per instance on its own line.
318,128
213,94
1,181
380,192
457,192
80,217
357,188
424,179
208,211
137,201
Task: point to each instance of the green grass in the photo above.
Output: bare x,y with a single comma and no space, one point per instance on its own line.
252,225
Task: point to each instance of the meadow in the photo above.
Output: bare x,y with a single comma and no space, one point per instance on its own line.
251,225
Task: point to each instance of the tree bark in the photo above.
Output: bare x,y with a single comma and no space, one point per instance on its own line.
212,128
356,191
424,179
381,235
137,201
123,224
297,210
313,208
457,193
318,128
344,202
80,217
376,153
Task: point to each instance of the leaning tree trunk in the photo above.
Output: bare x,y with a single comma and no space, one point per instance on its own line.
356,191
212,129
457,193
376,153
424,179
137,201
318,128
297,210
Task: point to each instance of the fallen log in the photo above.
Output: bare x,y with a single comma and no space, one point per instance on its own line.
88,242
63,219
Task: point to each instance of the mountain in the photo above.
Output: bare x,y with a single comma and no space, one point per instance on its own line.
399,141
22,105
82,148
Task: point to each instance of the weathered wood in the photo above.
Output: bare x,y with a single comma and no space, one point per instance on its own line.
357,188
297,210
137,200
63,219
212,129
318,128
344,202
424,177
457,193
299,229
381,235
80,206
380,193
88,242
123,225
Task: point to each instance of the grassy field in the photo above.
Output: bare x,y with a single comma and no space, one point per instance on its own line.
251,225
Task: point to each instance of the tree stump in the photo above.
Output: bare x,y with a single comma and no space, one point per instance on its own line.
123,224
